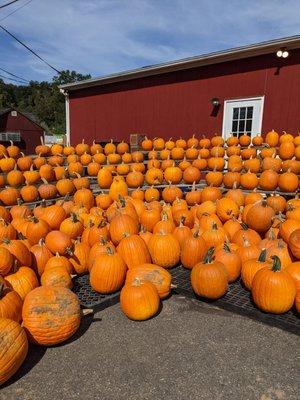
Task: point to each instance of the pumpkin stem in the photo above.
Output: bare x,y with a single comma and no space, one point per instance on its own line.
182,221
209,255
73,217
276,267
122,201
226,247
1,290
262,256
196,233
164,216
5,240
244,226
136,282
214,226
110,251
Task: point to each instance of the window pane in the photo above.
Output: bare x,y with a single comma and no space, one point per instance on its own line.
242,112
249,112
242,126
235,113
234,126
249,125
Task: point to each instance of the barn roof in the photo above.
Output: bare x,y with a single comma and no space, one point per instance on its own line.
31,117
236,53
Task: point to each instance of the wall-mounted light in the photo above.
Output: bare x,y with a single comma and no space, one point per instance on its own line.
215,102
282,53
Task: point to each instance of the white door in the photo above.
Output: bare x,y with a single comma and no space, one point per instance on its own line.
243,116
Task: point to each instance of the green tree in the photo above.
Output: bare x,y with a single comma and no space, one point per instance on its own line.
43,99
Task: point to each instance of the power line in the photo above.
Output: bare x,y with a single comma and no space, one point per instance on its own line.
11,79
8,4
17,9
16,76
29,49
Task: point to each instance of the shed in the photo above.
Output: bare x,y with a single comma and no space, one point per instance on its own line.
21,128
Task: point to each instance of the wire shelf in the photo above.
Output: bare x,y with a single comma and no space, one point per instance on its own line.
238,300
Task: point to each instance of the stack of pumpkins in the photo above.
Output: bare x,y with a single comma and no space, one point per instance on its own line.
58,170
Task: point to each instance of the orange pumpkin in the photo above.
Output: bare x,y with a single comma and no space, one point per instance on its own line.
133,250
164,249
273,289
14,348
51,315
108,272
209,278
139,300
10,302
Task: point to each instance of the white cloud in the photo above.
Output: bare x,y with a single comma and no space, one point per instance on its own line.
104,36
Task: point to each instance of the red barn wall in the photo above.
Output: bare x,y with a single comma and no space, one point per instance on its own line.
30,132
178,103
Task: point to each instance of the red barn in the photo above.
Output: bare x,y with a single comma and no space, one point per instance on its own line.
21,128
249,89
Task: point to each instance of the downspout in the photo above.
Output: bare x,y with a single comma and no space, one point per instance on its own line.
67,104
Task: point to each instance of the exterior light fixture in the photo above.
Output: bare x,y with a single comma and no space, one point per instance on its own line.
282,53
215,101
285,54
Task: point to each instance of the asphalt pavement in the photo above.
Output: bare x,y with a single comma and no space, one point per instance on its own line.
190,351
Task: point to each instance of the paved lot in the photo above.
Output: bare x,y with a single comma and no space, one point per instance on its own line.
190,351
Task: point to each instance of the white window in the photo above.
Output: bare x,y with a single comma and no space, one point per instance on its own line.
7,136
13,113
243,116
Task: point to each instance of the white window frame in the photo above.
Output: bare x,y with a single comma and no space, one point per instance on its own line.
7,136
237,100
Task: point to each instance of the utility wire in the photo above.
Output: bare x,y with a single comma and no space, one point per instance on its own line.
16,76
17,9
29,49
11,79
8,4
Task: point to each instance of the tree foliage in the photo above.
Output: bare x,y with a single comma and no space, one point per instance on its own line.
43,99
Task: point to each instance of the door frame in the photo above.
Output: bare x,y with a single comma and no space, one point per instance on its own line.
228,101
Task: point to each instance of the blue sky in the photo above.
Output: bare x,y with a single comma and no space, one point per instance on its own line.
106,36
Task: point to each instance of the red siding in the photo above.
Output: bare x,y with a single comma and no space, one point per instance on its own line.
178,103
30,132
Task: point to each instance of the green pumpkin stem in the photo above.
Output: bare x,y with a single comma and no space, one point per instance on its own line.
276,267
262,256
226,247
244,226
209,255
122,201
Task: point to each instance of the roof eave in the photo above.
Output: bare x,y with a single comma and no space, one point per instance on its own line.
193,62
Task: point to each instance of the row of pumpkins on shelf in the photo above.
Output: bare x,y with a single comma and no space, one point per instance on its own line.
286,151
268,180
128,245
40,183
272,139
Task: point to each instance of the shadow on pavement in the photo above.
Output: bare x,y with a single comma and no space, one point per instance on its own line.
36,353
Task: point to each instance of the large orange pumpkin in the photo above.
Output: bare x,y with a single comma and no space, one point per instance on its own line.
13,348
51,315
251,266
193,250
164,249
273,289
209,278
133,250
139,300
108,272
159,276
10,302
